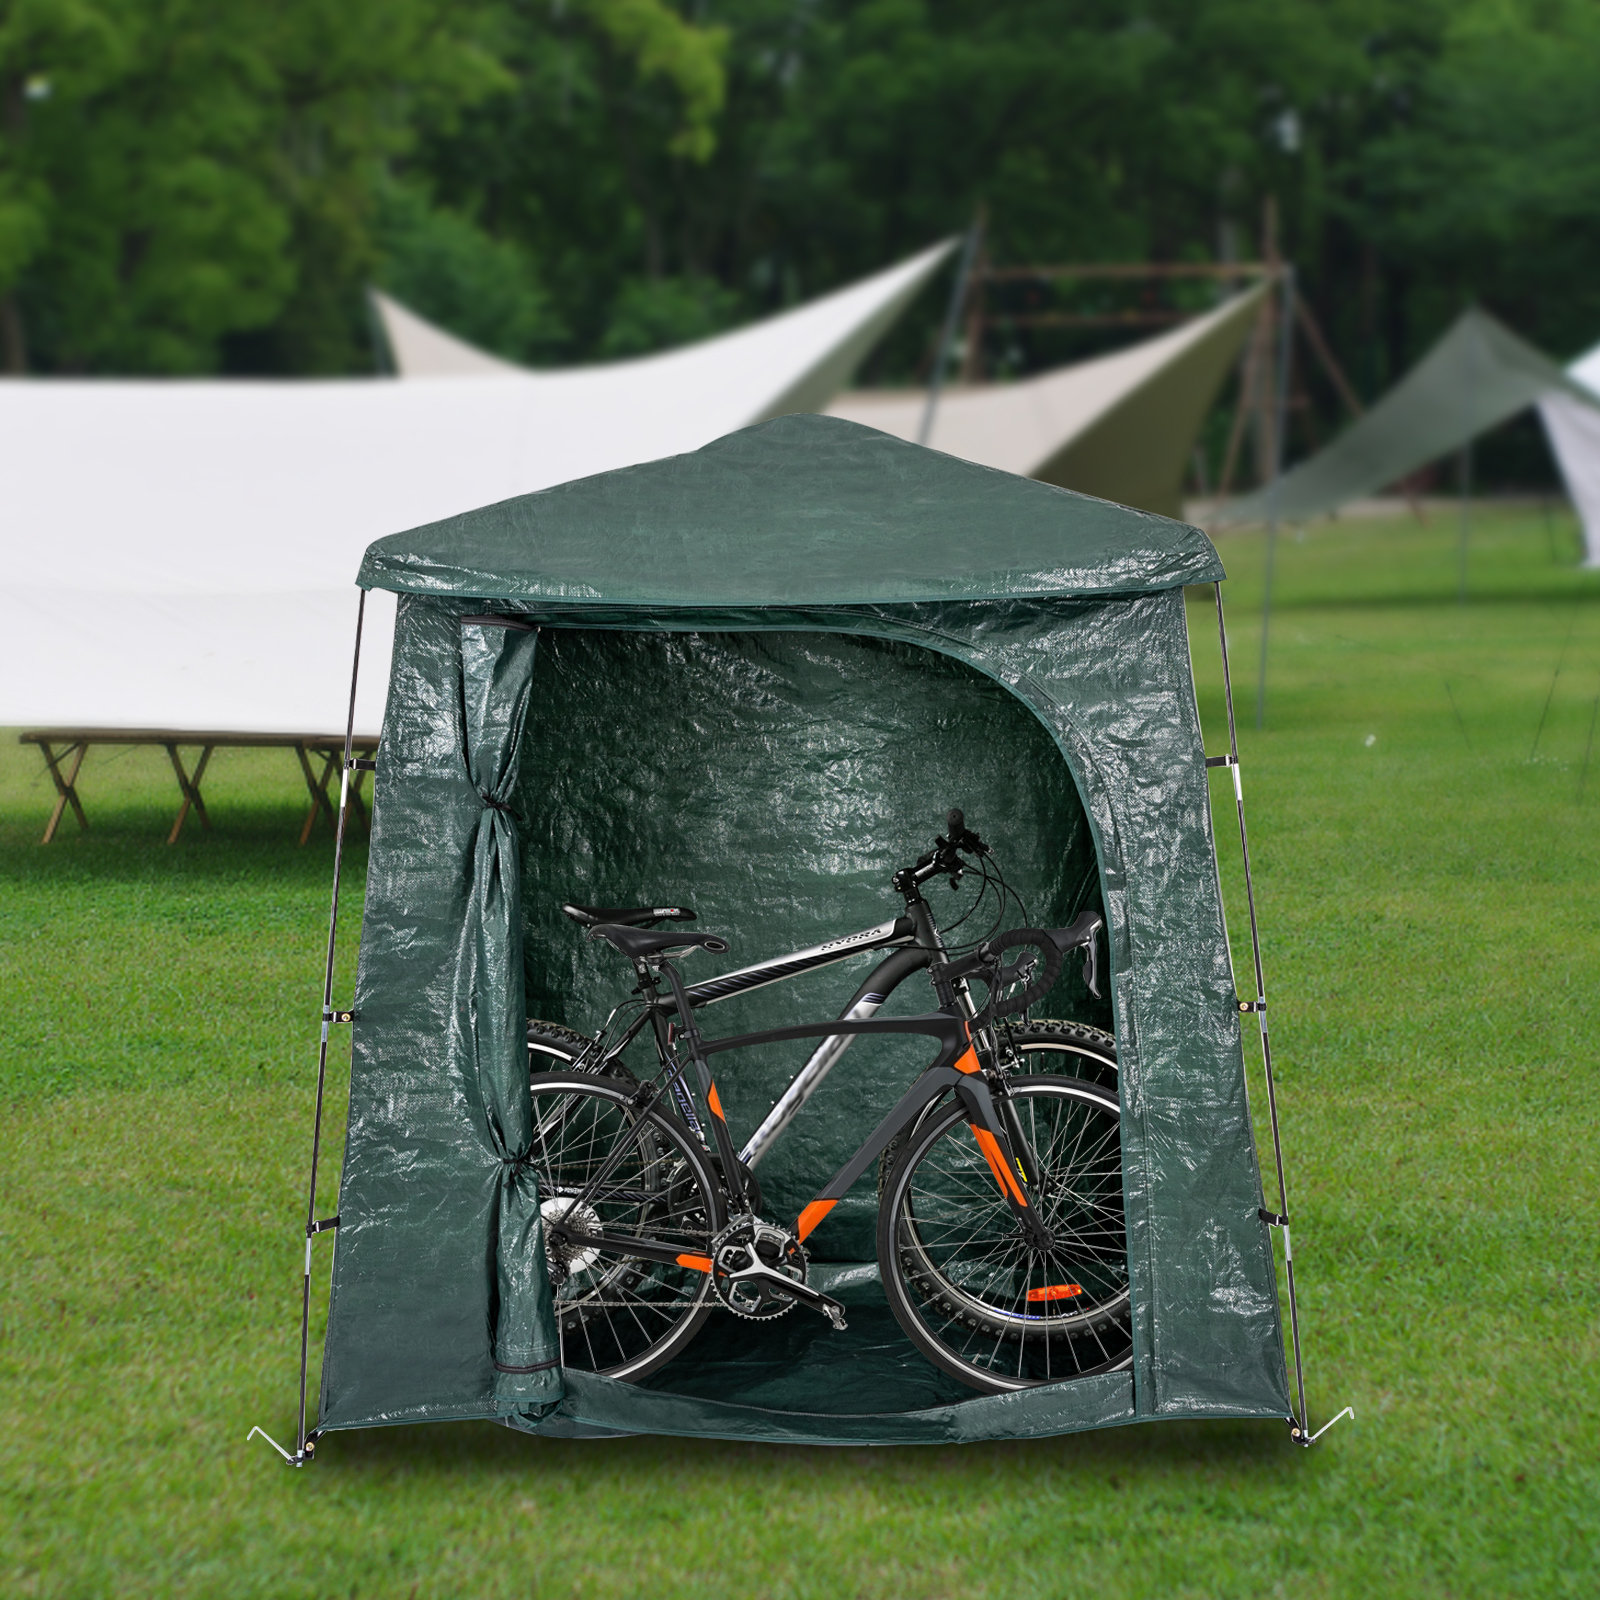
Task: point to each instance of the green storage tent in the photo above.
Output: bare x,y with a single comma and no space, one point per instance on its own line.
751,679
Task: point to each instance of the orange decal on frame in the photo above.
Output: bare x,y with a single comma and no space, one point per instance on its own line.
997,1163
813,1214
697,1263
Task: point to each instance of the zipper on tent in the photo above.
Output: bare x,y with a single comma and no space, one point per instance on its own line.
305,1443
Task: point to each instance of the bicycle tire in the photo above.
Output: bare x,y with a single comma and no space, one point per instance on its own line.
958,1272
1046,1048
553,1048
620,1315
1062,1049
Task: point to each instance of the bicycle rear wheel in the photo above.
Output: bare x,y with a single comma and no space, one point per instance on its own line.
619,1314
1053,1049
959,1273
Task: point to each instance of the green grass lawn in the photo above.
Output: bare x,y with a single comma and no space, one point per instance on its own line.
1426,850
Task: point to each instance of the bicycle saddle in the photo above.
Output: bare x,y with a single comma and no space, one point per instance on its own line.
627,916
637,943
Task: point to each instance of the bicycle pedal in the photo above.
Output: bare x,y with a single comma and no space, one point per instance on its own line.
816,1299
827,1305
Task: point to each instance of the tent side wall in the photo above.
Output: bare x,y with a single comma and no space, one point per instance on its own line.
440,1303
1112,682
413,1317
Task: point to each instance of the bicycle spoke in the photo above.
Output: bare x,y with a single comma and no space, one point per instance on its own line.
616,1312
972,1268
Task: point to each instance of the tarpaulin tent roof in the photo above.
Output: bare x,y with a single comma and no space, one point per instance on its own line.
854,517
220,521
1476,376
1121,425
756,672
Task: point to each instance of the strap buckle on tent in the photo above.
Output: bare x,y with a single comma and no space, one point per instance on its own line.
1273,1219
360,764
338,1016
1222,761
329,1223
1249,1007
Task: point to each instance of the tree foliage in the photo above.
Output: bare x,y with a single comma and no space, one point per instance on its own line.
188,187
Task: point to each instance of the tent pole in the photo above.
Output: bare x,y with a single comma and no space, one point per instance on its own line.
952,316
304,1448
1464,483
1259,1007
1279,424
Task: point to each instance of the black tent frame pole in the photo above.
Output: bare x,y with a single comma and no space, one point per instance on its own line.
1300,1427
304,1445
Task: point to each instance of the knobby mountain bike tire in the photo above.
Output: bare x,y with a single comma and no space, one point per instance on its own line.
552,1048
617,1314
958,1271
1061,1050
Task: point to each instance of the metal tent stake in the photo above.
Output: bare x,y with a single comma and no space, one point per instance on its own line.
1300,1426
305,1444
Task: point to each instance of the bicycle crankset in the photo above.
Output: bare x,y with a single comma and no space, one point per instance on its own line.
759,1272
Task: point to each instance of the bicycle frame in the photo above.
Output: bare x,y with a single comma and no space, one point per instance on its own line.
956,1067
913,941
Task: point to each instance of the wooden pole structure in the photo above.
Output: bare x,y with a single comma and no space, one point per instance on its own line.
1278,384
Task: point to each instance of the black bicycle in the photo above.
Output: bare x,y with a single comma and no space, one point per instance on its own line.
1001,1241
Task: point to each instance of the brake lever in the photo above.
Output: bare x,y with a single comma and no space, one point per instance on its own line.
1091,965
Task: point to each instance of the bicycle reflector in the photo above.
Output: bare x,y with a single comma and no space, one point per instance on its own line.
1055,1291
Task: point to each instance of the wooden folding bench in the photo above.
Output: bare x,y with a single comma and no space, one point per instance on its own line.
65,748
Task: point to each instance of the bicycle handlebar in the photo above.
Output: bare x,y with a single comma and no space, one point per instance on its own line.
1052,944
948,848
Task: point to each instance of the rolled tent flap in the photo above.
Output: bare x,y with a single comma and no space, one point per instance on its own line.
497,655
441,1292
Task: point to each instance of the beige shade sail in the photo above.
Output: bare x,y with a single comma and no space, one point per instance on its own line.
1121,426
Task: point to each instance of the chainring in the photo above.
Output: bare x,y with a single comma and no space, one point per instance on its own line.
732,1251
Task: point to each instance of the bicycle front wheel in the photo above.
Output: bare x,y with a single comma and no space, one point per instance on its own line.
961,1276
617,1313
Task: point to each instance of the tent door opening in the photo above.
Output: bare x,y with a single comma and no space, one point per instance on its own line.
773,781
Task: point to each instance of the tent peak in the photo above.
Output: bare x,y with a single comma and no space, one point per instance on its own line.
799,510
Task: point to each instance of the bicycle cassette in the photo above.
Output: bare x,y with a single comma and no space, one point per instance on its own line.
749,1260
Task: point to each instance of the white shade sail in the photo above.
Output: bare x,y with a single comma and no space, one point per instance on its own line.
795,361
1121,426
1572,426
181,554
